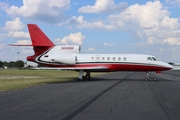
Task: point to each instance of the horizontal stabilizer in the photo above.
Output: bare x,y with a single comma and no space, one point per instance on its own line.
18,45
28,45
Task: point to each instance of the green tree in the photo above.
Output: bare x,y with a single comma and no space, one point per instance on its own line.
19,64
5,63
11,64
29,67
1,64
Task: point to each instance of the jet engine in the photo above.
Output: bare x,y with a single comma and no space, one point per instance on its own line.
66,60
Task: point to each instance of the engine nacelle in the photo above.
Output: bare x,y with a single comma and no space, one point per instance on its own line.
60,54
66,60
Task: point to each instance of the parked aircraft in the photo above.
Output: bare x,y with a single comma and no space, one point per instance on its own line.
68,57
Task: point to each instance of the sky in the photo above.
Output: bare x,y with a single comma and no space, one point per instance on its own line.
99,26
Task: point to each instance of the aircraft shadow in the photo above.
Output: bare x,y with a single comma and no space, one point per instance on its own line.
93,79
97,79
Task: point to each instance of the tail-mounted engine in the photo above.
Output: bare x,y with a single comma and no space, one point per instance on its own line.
60,54
66,60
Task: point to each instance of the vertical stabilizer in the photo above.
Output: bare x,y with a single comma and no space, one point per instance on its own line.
40,41
38,38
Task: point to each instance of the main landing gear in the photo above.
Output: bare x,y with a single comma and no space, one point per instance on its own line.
82,77
147,77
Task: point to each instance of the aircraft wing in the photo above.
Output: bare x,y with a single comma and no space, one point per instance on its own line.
97,68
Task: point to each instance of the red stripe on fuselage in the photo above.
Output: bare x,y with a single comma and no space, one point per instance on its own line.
115,66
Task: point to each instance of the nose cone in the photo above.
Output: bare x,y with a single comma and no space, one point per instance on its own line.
166,66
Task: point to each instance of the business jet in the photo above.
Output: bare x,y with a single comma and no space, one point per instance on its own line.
68,57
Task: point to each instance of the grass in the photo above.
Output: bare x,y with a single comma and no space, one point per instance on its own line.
19,78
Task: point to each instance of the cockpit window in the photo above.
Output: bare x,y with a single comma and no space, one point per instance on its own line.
154,59
149,58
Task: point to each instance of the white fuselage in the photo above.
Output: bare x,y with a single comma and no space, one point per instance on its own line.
66,57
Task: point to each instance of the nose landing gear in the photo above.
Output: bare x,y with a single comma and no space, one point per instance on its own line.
147,77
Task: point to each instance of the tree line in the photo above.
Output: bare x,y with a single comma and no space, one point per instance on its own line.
19,64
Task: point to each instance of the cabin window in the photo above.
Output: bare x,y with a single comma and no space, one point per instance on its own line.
103,58
119,58
108,58
149,59
97,58
46,56
114,58
92,58
125,58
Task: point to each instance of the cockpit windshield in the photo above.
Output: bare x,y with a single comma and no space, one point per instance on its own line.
149,59
152,59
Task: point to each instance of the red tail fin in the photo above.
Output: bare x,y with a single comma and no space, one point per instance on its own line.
38,38
40,41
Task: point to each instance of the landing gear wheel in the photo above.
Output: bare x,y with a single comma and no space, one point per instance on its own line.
81,79
87,76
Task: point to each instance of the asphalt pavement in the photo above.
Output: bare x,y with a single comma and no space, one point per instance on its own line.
113,96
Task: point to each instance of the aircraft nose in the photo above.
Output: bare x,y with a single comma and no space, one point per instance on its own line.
167,66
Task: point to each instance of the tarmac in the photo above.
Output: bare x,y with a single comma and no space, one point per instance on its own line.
112,96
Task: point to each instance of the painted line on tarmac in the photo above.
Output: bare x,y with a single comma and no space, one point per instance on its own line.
80,109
